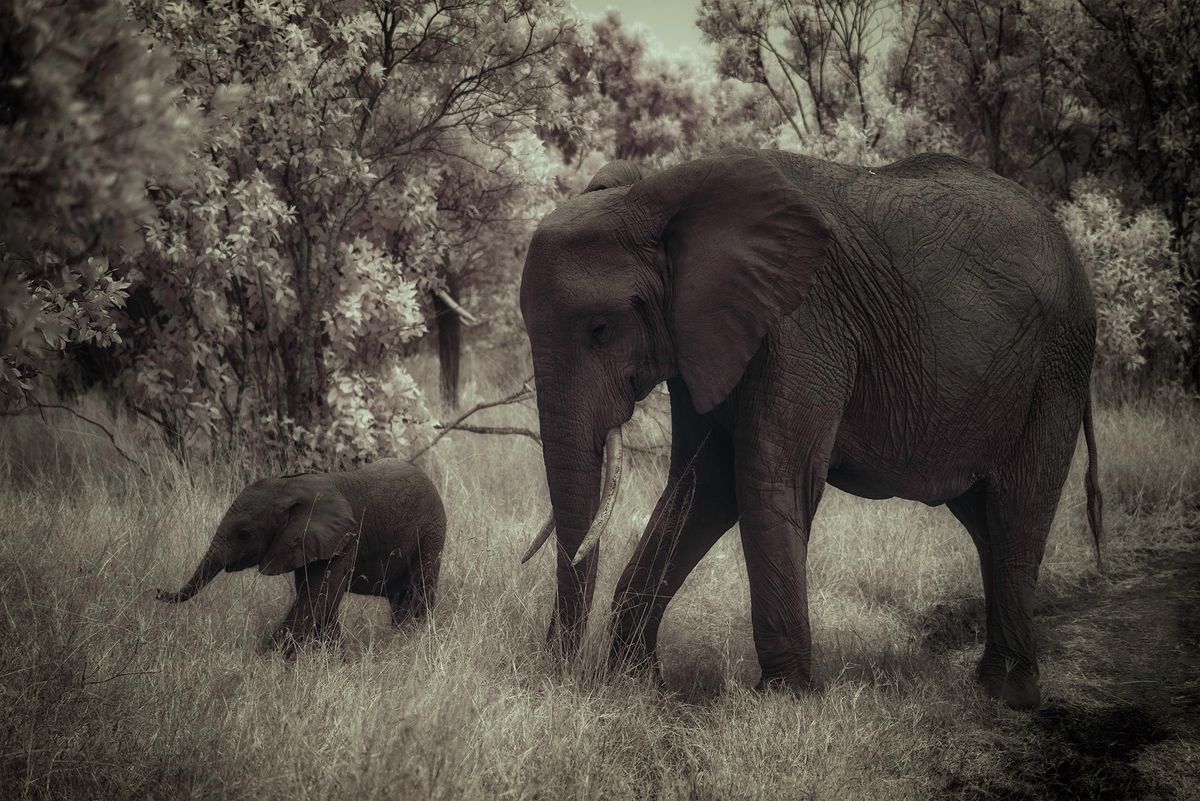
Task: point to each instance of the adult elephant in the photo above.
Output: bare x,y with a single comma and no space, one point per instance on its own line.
920,330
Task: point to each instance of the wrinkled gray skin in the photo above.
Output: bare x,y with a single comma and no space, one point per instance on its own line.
378,530
920,330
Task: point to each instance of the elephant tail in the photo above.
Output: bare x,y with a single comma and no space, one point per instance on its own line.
1095,500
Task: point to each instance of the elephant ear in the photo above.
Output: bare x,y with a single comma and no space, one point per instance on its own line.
742,245
614,174
316,523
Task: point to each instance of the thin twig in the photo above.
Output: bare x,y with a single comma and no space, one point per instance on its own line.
38,405
523,394
445,428
523,432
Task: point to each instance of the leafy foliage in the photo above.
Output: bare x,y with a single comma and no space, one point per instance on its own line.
838,71
649,107
986,69
278,188
87,115
1136,66
1141,320
289,267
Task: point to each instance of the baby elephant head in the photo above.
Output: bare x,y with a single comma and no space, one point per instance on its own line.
279,525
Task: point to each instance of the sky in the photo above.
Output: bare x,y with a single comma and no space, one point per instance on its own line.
672,22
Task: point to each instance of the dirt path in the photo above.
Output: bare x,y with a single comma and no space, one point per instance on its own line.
1148,651
1133,643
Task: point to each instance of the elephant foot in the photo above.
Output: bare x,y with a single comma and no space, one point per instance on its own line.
633,648
282,642
638,664
1010,681
786,663
563,642
329,634
794,685
288,636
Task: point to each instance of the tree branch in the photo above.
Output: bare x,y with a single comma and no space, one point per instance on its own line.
523,432
454,306
445,428
39,406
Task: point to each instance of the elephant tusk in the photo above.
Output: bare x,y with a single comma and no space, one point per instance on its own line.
456,307
612,482
540,539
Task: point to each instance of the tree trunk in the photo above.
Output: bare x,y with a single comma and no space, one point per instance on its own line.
1189,276
307,389
449,334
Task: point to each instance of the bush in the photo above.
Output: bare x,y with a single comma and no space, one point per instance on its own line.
87,118
1140,310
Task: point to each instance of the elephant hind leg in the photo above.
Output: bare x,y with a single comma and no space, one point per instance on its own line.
1009,526
1008,515
413,594
1017,688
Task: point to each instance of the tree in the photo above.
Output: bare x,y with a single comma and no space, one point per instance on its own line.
647,107
291,263
1136,65
1141,318
813,57
490,196
87,116
839,72
985,68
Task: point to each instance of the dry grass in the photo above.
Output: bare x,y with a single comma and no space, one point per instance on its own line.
111,695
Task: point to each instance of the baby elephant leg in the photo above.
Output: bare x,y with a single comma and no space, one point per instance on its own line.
413,595
319,590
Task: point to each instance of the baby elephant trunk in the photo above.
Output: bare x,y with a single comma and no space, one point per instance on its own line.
209,567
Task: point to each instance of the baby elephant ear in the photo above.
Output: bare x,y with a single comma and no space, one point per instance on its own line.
317,524
614,174
742,242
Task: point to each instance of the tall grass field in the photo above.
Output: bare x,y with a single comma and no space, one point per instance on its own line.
107,694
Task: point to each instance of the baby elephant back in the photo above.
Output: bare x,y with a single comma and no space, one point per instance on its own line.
398,498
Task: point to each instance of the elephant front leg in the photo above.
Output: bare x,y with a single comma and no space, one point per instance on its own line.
781,477
697,507
683,529
319,590
776,551
414,594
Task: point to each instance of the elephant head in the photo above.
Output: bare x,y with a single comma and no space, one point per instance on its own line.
277,524
642,279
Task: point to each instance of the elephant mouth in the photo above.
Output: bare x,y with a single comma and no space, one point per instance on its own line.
241,564
642,383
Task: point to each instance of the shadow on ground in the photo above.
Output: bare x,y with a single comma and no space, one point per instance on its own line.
1134,644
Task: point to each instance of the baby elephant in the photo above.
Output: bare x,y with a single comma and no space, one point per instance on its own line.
378,530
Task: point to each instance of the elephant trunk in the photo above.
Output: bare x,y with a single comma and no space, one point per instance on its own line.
610,481
573,472
209,567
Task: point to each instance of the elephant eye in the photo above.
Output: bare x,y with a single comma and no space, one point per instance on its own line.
599,331
242,534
